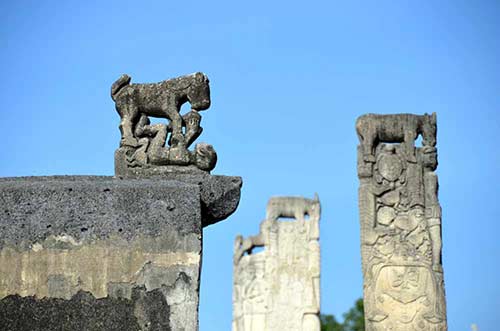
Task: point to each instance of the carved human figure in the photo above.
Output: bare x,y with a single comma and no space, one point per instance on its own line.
151,145
432,208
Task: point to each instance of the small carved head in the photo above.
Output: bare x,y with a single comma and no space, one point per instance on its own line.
429,130
206,157
315,207
141,125
429,158
199,92
417,214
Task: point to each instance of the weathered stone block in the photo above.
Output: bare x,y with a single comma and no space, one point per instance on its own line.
99,253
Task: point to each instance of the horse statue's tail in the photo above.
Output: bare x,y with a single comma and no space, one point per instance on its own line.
119,84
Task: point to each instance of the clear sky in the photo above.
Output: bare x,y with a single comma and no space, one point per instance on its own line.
288,80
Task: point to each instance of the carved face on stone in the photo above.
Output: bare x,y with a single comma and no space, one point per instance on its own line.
417,215
206,157
429,159
199,92
259,269
390,167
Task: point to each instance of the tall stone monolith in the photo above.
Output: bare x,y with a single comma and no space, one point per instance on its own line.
117,253
400,220
278,288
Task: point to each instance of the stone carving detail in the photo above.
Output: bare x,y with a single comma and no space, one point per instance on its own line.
278,288
400,128
400,220
142,147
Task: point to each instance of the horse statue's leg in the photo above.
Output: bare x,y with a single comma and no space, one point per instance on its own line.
409,144
128,114
368,140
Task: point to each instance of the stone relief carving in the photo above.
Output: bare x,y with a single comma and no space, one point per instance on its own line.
278,288
400,220
142,146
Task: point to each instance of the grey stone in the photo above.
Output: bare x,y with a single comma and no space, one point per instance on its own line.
400,220
83,312
142,147
102,253
220,195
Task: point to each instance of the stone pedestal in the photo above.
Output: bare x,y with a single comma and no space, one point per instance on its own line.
400,220
98,253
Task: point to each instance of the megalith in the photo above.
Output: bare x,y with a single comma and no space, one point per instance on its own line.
400,219
278,288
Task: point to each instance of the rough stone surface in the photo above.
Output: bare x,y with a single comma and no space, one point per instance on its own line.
278,288
99,253
142,147
220,195
84,312
400,220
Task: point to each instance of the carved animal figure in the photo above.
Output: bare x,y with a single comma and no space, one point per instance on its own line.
296,207
397,128
163,99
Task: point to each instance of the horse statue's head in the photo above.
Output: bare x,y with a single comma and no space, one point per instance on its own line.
198,92
429,130
314,209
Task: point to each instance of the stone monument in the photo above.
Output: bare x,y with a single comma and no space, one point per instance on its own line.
278,288
142,149
400,220
124,252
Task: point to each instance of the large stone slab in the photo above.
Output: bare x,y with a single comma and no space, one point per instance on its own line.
99,253
400,220
278,288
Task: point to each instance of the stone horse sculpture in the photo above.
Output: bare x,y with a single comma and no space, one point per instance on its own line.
289,207
292,207
397,128
163,99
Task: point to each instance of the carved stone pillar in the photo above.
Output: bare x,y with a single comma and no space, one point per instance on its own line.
400,220
278,287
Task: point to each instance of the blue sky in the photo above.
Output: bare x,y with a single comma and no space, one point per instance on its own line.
288,80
